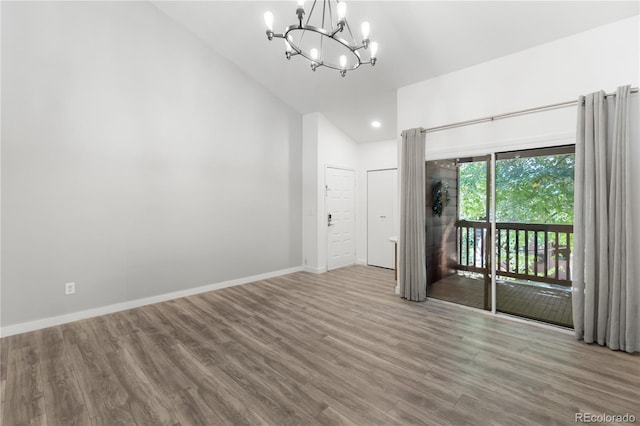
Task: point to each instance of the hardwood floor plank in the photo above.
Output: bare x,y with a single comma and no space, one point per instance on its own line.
229,391
338,348
4,356
277,380
105,396
410,414
350,406
148,405
331,417
64,399
24,402
506,414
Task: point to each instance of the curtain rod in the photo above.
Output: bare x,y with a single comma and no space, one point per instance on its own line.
510,114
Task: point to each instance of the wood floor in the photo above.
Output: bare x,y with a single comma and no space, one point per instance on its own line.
336,348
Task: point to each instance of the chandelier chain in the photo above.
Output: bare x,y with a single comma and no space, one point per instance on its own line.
308,17
324,7
349,29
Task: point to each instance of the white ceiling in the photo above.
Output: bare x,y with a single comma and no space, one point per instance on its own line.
418,40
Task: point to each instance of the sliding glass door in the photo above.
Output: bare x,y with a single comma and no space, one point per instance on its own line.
532,246
457,231
534,233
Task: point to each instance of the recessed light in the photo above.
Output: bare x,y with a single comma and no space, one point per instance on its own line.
375,124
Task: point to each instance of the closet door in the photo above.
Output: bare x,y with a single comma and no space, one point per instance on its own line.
382,190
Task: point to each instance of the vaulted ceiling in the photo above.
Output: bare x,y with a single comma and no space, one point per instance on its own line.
418,40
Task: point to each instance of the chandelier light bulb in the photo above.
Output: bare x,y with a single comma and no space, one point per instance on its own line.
364,27
314,53
300,11
342,10
373,49
343,61
268,20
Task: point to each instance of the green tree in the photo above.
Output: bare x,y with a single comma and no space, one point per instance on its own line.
528,190
473,190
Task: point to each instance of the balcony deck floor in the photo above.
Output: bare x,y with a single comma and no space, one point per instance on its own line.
544,303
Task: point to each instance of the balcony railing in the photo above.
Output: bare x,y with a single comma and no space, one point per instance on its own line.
528,251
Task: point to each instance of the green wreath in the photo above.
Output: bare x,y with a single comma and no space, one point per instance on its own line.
439,197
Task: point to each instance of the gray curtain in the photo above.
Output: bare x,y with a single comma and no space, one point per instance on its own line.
604,288
412,267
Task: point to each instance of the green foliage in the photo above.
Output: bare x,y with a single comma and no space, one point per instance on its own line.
528,190
473,190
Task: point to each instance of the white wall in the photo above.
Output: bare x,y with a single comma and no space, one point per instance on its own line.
324,145
310,182
135,161
599,59
602,58
371,156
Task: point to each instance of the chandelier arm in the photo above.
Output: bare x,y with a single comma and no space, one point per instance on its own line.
296,50
320,31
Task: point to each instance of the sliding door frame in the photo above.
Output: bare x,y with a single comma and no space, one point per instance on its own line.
490,299
491,187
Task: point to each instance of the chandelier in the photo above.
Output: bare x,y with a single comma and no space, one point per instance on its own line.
326,39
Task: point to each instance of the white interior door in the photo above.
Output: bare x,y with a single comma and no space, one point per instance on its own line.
340,186
382,189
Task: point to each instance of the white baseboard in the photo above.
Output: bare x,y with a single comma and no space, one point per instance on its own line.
361,262
25,327
314,270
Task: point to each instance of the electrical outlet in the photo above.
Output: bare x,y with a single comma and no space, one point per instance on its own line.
69,288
